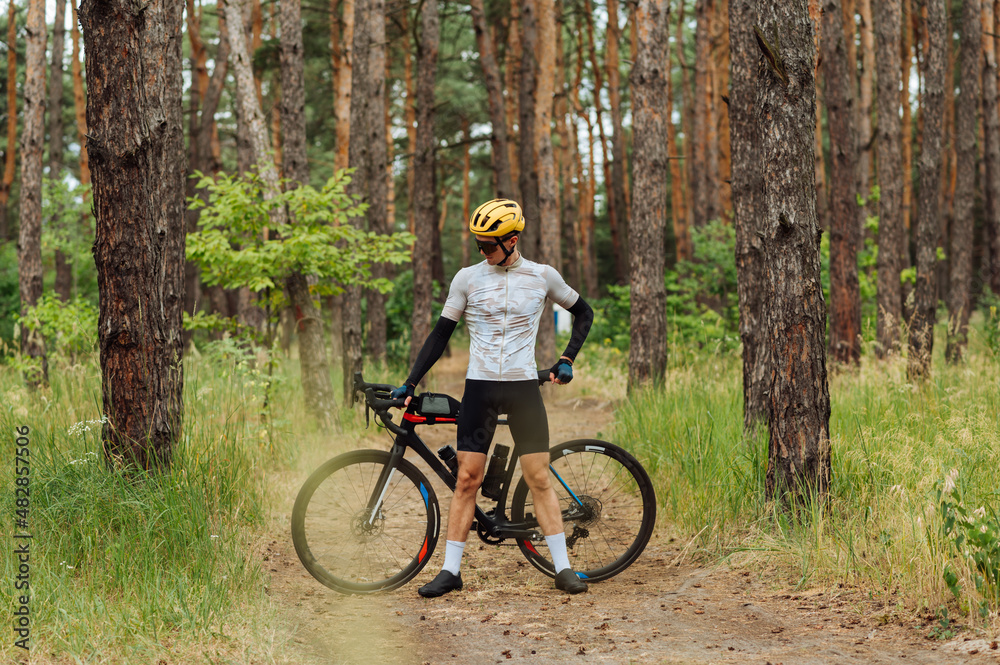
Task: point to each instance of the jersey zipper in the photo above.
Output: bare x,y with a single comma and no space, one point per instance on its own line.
503,336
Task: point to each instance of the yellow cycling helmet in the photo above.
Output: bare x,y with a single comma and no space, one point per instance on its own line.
497,218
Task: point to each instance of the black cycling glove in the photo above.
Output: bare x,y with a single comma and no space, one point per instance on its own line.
402,392
563,369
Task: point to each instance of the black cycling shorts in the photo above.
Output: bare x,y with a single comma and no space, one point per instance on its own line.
485,401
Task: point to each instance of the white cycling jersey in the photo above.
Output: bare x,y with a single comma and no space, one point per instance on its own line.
503,306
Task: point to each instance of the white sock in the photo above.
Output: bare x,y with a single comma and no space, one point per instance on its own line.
557,548
453,556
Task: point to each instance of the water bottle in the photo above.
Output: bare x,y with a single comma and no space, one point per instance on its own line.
447,453
495,472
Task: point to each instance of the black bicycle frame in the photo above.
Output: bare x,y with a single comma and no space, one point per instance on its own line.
496,525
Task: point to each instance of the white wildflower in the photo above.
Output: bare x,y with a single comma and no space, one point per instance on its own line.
980,512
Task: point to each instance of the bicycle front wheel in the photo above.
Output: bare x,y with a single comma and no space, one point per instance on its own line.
608,507
349,547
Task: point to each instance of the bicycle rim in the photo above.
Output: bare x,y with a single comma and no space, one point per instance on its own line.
339,541
617,515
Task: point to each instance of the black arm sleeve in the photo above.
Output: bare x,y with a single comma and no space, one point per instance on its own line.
432,349
583,317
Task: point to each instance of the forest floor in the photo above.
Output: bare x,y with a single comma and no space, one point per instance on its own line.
663,609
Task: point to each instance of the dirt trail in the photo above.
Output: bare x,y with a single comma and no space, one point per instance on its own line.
654,612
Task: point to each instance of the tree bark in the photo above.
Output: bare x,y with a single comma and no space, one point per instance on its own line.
960,295
10,153
795,318
424,167
79,102
315,368
378,216
512,84
548,203
618,251
491,75
359,159
866,96
747,207
648,352
888,20
29,246
615,179
929,209
991,130
343,83
682,233
64,270
527,81
704,164
136,142
845,296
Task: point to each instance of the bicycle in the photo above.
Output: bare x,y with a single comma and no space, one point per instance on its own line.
369,520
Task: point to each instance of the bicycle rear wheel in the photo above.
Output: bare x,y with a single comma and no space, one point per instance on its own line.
608,506
343,546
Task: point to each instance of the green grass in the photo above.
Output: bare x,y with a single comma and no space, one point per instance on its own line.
131,567
893,445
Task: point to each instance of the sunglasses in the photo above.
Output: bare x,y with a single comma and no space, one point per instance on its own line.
487,247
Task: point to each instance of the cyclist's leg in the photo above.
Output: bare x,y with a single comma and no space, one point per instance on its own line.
529,426
477,422
535,469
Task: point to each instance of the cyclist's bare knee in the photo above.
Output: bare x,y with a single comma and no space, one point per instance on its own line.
471,467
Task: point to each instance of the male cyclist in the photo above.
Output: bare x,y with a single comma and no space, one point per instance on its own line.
502,299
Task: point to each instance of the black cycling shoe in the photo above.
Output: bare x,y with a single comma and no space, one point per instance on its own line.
566,580
442,584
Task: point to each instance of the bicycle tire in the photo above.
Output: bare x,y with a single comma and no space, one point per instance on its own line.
334,540
620,504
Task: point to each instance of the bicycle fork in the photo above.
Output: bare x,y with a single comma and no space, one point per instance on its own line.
382,484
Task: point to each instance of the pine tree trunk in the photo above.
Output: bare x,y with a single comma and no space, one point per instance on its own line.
888,21
867,90
570,177
491,75
747,208
648,352
512,85
10,153
79,102
136,142
548,202
466,192
845,297
315,369
991,130
424,167
410,117
795,318
704,164
618,251
929,209
344,83
720,116
359,158
64,270
378,216
907,131
619,165
960,295
687,119
29,246
527,81
682,234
